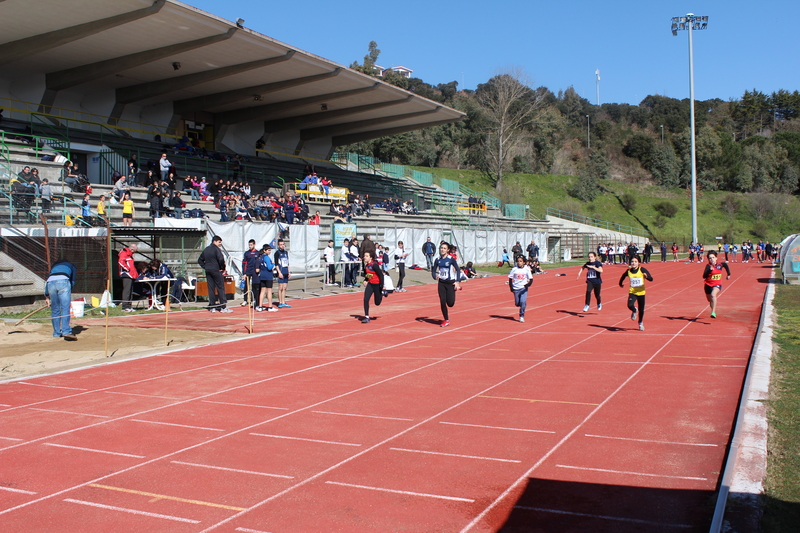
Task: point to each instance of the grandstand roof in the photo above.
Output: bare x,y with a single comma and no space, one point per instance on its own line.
165,51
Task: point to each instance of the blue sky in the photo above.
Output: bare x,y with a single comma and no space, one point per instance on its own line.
558,44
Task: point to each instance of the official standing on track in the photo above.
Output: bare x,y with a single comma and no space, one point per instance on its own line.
712,283
213,262
58,295
446,271
636,275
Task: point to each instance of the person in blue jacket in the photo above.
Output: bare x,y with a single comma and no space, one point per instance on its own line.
58,295
265,273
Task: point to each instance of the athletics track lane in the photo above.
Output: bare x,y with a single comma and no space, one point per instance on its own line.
570,421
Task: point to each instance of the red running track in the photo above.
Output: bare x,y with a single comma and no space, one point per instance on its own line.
569,422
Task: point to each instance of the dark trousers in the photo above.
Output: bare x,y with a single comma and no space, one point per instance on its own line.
592,288
447,297
372,289
216,285
331,273
401,269
633,299
127,291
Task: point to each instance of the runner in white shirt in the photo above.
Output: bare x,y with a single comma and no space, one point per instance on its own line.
520,279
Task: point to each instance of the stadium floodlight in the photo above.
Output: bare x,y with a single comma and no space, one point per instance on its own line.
240,22
691,22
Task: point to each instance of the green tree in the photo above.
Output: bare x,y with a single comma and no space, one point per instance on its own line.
766,162
640,146
368,67
707,147
665,167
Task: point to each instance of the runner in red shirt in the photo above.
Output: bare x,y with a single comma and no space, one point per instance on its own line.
713,280
373,283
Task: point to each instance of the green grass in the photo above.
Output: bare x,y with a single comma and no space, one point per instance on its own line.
543,191
782,512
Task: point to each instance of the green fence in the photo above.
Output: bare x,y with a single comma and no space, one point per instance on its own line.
423,178
396,171
450,185
514,211
612,226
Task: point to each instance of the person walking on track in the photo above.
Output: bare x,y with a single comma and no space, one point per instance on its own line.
712,280
636,276
594,269
520,279
446,271
373,284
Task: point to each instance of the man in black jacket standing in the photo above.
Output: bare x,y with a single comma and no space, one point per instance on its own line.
213,262
428,249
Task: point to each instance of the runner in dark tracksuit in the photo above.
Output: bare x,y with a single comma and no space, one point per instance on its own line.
446,271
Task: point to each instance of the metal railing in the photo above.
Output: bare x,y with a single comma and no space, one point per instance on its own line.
604,224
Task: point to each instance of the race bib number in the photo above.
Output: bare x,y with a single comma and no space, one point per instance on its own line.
591,274
444,273
283,262
637,282
716,277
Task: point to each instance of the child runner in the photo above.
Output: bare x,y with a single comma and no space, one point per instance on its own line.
674,252
504,259
593,280
521,278
264,271
282,263
700,251
373,283
445,269
713,280
734,252
636,275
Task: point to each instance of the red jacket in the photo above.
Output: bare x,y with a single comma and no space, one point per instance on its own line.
127,267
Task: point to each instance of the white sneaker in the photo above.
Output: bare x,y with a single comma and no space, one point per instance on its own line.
641,327
585,308
225,310
243,303
521,319
272,309
599,307
213,310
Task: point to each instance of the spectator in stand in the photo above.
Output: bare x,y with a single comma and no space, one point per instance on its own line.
127,273
191,185
156,204
86,209
164,166
325,183
121,187
177,204
128,211
315,220
289,210
47,195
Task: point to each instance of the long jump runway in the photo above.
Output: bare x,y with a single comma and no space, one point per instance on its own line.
569,422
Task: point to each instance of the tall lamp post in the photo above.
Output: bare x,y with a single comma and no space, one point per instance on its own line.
662,134
588,135
691,22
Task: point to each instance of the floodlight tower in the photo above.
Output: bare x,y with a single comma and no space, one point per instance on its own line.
597,74
691,22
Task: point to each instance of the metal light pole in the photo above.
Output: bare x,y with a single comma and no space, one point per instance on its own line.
691,22
588,137
662,134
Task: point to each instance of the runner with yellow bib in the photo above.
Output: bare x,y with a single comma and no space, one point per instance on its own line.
713,280
636,276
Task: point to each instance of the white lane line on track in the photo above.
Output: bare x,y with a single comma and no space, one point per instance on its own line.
588,417
20,491
405,492
12,438
364,416
226,469
304,439
174,425
247,530
631,473
66,412
604,517
93,450
246,405
649,440
457,455
141,395
497,427
50,386
133,511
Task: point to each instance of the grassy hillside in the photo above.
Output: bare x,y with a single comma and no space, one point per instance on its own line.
768,216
